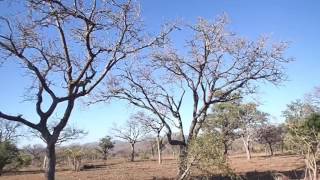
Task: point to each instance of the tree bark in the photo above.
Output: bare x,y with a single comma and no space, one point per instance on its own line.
182,161
51,158
132,152
225,153
159,149
246,147
271,150
104,155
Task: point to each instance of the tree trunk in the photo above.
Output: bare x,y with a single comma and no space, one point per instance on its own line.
159,149
152,151
104,155
51,158
225,153
246,147
132,152
182,161
271,150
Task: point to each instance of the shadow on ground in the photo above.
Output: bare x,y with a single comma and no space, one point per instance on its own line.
255,175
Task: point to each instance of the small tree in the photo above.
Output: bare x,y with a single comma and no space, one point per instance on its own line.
75,154
37,152
269,135
152,124
9,130
105,145
132,132
224,120
207,154
250,119
9,153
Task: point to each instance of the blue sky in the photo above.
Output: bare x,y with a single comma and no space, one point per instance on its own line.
289,20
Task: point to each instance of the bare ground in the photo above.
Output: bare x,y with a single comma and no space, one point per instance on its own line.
259,166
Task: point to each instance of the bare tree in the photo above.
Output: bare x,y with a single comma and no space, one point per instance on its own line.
132,132
215,65
9,131
68,48
37,151
314,97
152,125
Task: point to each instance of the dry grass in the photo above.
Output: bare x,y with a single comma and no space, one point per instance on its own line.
149,169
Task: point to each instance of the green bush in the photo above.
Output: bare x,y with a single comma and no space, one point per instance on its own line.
9,154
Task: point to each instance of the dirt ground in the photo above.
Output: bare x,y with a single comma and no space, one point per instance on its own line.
259,167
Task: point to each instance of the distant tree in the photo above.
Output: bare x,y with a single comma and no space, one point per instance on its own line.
224,120
9,131
298,110
9,153
105,145
132,132
250,119
152,124
75,155
37,152
314,97
269,135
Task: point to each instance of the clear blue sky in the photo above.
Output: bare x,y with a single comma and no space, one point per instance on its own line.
290,20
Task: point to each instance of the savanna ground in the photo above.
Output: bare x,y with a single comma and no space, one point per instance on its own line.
259,167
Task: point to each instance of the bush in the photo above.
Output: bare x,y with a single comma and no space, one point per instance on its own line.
206,153
9,154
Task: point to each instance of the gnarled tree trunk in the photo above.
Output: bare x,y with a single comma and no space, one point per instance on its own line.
51,162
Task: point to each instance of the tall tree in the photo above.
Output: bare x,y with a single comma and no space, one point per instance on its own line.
68,48
132,132
214,65
105,145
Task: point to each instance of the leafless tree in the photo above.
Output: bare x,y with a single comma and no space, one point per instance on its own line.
37,151
9,131
132,132
214,65
314,97
68,48
152,125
